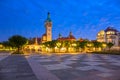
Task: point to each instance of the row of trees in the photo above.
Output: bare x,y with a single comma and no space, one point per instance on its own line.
76,45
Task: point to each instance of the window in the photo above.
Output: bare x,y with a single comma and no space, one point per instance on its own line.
110,32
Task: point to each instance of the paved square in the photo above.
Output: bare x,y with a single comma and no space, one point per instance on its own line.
15,67
81,66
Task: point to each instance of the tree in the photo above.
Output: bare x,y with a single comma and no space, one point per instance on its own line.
6,44
83,44
52,45
18,41
59,45
110,45
97,44
66,44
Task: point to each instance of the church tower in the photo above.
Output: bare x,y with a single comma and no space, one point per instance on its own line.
48,26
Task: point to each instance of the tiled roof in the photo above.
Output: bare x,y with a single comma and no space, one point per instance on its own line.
67,38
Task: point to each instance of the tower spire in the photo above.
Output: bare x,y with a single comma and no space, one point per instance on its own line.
48,17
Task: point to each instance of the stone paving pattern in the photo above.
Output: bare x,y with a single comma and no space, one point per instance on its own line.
64,67
3,55
82,66
16,67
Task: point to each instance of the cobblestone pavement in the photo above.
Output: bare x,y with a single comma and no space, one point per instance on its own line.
15,67
82,66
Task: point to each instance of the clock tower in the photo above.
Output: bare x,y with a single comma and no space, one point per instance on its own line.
48,26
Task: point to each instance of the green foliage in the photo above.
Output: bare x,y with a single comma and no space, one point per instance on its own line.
6,44
82,44
76,45
17,41
50,44
97,44
110,45
67,44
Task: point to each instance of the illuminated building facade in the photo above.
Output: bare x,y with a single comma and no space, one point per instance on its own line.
101,36
109,35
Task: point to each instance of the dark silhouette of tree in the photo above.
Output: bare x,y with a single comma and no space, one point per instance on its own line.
6,44
109,45
83,44
17,41
52,45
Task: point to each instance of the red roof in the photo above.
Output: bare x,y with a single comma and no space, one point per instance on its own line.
69,38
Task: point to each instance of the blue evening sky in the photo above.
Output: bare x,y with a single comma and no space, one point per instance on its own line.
83,17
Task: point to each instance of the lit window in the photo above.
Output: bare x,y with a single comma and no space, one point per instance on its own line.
110,32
